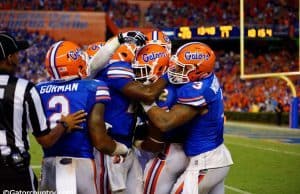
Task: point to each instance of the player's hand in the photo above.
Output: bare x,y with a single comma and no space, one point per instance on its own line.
135,37
163,95
72,121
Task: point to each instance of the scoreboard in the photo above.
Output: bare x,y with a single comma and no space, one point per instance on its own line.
226,32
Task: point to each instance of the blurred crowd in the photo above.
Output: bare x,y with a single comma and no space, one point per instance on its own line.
32,60
254,95
174,13
239,95
121,12
257,95
193,13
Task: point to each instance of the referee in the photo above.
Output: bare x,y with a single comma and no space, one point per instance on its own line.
20,109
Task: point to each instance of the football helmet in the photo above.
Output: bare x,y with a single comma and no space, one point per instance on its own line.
93,48
192,62
158,37
150,62
125,52
65,60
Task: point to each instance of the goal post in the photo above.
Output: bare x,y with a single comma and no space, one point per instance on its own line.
293,116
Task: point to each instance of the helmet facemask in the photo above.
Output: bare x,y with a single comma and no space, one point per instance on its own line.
144,73
178,72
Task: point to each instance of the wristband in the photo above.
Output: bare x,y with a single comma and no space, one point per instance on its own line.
120,149
64,124
148,107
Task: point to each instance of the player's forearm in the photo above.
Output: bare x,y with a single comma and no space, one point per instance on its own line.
105,144
155,89
51,138
145,93
160,118
102,57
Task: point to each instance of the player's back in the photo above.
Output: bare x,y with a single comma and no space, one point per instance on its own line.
119,112
205,131
64,97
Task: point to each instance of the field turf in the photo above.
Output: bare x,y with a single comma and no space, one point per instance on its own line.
264,163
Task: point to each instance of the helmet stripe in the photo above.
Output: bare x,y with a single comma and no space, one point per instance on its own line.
52,60
155,35
49,61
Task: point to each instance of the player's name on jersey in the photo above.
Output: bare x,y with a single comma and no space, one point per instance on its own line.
60,88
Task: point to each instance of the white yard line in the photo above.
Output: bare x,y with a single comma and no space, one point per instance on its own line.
236,190
262,148
257,126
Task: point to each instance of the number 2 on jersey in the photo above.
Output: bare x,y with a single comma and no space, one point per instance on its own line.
64,104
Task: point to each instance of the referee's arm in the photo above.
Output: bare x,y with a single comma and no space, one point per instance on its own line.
37,120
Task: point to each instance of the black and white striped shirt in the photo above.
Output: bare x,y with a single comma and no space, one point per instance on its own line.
20,109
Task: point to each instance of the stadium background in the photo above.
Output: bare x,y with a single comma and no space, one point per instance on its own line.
267,164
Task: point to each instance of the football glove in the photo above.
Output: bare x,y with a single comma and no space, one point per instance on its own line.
135,37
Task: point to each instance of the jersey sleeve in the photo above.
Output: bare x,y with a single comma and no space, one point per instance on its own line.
119,74
192,94
101,92
36,117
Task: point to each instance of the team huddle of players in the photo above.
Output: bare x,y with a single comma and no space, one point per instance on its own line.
155,120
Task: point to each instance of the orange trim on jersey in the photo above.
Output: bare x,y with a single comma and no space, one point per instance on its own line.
190,99
102,169
180,188
156,176
103,98
95,174
149,175
119,76
167,149
121,68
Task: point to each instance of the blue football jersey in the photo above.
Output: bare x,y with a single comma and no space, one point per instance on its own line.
119,114
64,97
205,131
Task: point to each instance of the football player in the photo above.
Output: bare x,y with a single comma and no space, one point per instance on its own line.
199,110
71,158
163,169
120,116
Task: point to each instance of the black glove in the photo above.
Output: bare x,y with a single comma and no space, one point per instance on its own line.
135,37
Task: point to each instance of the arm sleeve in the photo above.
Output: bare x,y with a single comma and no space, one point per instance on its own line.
189,96
102,93
36,117
103,55
119,74
98,93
